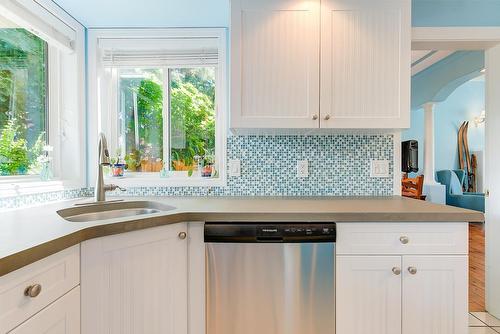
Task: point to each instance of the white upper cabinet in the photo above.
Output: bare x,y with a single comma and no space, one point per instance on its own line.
275,63
320,64
365,63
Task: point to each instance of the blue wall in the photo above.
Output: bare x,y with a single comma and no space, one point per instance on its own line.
148,13
465,103
428,13
438,81
215,13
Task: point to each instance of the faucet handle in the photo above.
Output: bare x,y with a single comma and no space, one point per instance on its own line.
121,189
113,187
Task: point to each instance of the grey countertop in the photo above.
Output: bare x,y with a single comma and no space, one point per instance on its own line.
30,234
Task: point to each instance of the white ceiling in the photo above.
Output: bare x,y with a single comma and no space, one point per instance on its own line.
422,59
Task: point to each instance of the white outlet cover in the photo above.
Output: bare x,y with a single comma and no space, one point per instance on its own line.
302,168
235,168
379,168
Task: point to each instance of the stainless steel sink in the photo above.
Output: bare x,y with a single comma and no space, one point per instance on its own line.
111,210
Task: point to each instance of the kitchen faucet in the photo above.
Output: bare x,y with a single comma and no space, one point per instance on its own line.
103,160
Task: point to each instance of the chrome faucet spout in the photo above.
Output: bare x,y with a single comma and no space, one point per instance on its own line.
103,160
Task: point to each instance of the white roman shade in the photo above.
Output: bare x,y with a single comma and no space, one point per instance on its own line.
34,17
158,51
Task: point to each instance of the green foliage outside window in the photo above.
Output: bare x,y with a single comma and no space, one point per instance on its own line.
23,91
192,117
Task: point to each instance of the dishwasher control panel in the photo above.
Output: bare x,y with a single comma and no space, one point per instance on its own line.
270,232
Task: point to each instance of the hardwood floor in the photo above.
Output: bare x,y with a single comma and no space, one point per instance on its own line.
476,268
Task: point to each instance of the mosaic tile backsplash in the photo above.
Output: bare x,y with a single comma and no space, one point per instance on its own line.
339,165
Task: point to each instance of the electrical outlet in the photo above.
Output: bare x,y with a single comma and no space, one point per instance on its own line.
379,168
302,168
235,168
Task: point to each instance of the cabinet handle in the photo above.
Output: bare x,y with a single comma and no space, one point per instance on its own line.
412,270
327,117
182,235
396,271
33,291
404,239
315,117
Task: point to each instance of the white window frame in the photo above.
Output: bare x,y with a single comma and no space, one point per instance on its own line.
66,95
102,120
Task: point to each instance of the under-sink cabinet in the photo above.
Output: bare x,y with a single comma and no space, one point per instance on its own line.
43,297
320,64
394,284
146,281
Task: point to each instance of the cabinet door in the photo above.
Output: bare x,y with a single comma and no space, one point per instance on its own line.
275,63
60,317
368,295
365,63
136,282
435,295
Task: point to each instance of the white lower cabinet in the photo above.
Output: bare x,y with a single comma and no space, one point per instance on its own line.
60,317
435,296
402,294
394,287
136,282
368,295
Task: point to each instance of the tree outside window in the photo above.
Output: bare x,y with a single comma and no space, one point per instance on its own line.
190,111
23,101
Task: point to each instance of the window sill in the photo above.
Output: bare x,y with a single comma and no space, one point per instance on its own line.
154,180
31,184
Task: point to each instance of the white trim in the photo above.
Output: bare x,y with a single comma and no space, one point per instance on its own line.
397,163
153,180
492,181
33,16
429,61
31,184
96,120
454,38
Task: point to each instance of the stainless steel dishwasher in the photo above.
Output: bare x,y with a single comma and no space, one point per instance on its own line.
270,278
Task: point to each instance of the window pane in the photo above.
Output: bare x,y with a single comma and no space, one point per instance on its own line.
23,100
140,118
192,117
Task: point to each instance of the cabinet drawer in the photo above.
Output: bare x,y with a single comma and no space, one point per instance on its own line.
402,238
60,317
56,274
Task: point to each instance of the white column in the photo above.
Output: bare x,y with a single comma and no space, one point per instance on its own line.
429,164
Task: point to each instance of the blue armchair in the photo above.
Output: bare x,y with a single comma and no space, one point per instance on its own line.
454,193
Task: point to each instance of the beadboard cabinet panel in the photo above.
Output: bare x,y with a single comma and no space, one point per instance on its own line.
365,63
275,63
136,282
368,295
435,295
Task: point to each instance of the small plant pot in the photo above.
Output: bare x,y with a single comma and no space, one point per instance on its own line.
207,171
117,170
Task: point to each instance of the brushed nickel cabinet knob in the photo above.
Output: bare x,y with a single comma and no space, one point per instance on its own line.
396,271
404,239
412,270
182,235
315,117
327,117
33,291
